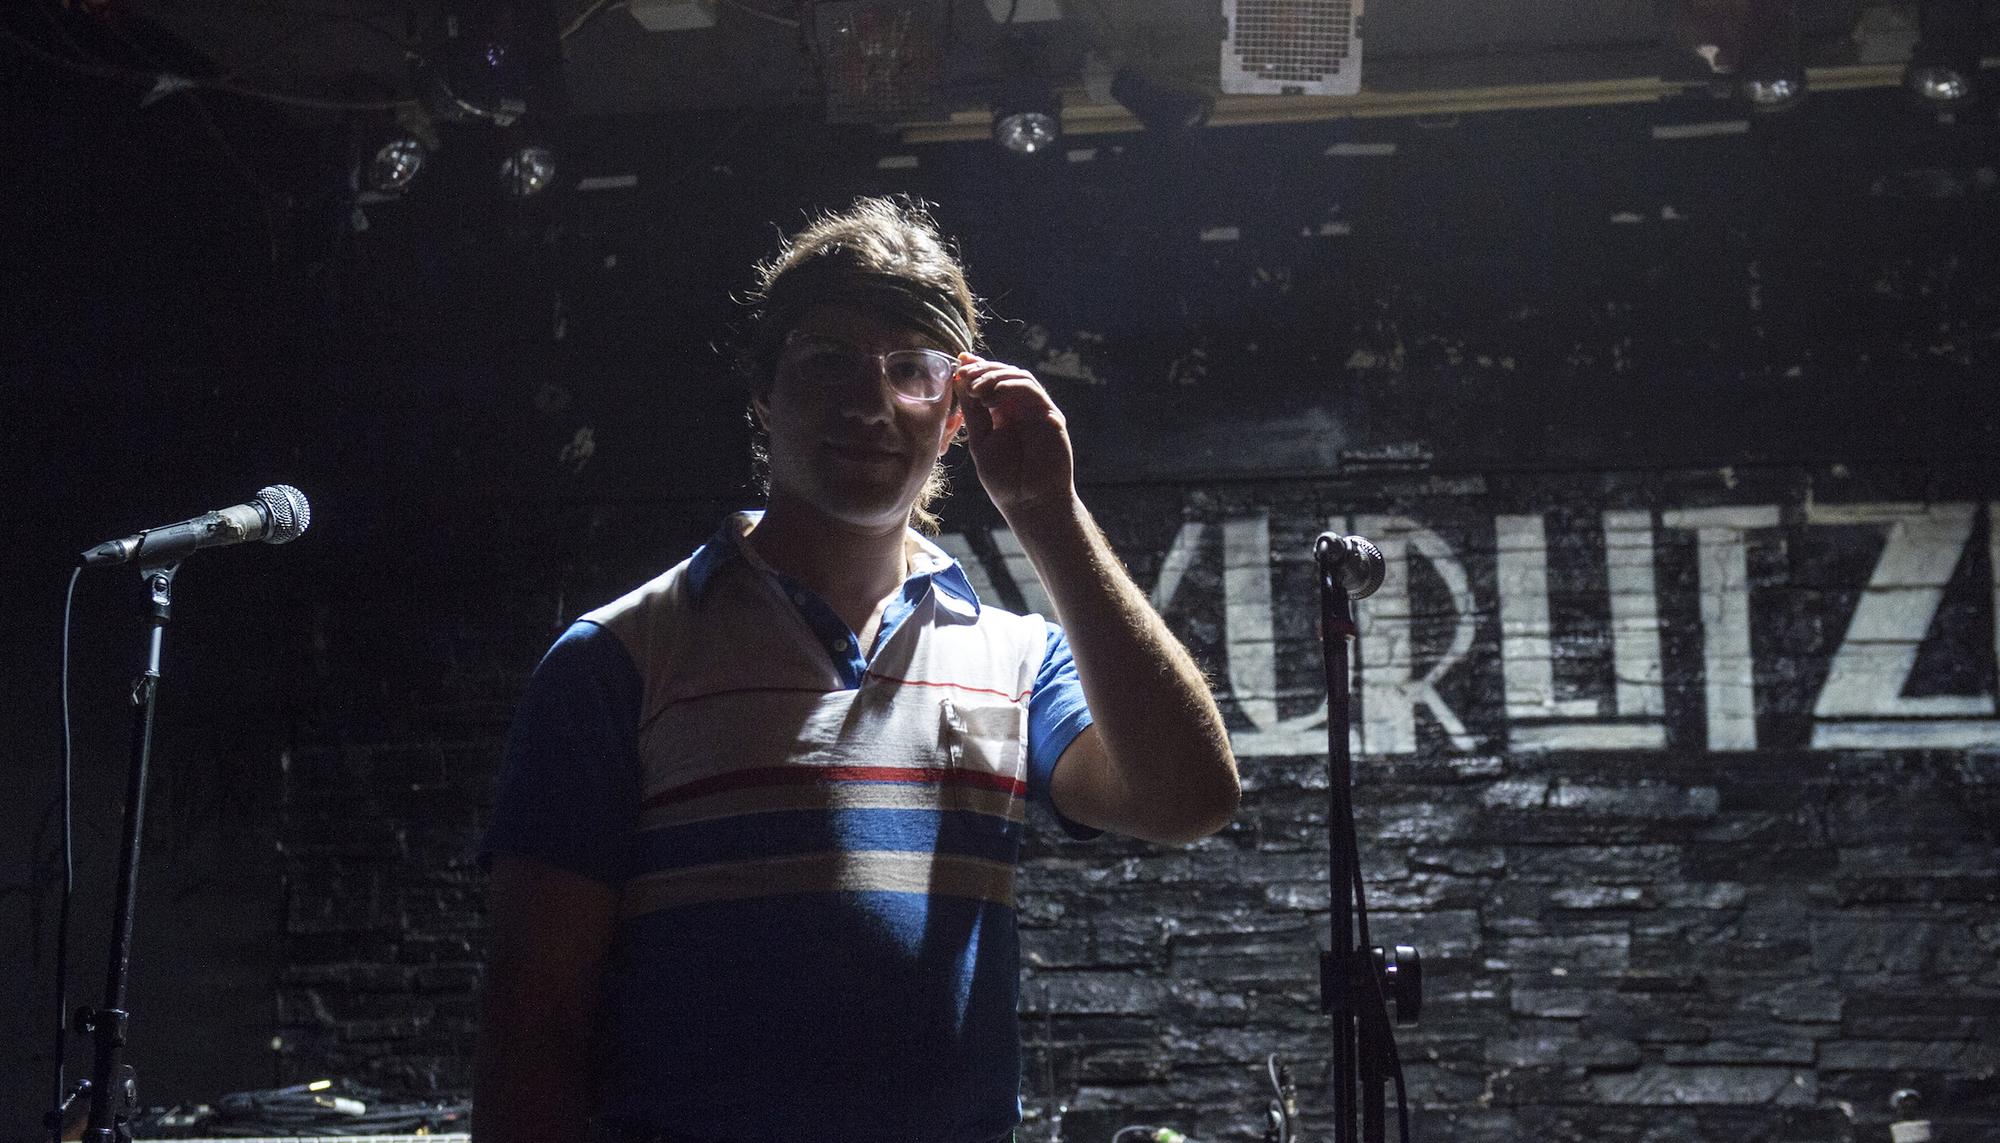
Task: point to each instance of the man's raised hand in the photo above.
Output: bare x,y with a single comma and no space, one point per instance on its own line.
1018,438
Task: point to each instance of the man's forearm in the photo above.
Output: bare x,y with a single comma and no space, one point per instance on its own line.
1161,730
533,1074
532,1085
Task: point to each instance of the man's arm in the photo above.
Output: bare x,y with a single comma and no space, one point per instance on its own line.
1156,762
533,1074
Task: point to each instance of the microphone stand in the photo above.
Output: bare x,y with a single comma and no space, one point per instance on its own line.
1357,980
112,1086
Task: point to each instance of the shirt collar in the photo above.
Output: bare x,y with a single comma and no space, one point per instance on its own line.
926,559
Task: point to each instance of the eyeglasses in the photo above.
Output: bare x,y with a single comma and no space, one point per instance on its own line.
922,375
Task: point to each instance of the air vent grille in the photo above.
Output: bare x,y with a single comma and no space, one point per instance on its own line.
1292,47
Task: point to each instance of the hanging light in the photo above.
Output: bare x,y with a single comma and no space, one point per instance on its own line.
1775,92
395,164
1750,49
1943,73
529,171
1027,118
1773,77
1940,85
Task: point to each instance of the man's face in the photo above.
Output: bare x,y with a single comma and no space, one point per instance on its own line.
853,450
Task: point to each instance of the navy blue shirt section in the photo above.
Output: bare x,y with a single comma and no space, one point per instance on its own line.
569,780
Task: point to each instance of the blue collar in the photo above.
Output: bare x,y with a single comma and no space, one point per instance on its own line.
725,547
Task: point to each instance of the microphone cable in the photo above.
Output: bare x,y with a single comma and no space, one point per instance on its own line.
68,878
1283,1108
1380,1010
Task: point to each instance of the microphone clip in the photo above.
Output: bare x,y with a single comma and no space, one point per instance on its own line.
1349,563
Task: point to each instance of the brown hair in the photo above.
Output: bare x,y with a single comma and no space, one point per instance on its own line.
880,253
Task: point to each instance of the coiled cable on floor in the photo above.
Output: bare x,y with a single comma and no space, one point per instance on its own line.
330,1107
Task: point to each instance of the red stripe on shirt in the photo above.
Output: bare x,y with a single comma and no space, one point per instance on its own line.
953,686
797,775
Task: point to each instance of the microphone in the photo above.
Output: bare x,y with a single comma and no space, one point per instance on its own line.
1357,562
278,515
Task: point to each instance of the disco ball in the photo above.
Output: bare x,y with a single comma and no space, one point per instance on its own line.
1027,132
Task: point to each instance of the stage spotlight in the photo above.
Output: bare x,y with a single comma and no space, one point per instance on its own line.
1942,86
1775,92
1944,65
1160,106
1751,49
1027,119
1773,76
529,171
396,164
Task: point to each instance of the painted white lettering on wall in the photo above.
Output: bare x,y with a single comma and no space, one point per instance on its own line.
1247,617
1635,615
1536,718
1728,674
1248,643
1414,639
1392,691
1862,703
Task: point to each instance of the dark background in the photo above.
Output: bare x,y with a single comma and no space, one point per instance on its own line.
506,415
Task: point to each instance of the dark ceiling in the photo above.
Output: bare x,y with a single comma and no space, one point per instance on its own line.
759,52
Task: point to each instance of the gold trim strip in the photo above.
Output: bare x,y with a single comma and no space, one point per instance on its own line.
1083,118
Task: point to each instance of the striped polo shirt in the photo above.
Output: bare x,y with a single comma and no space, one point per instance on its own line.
813,844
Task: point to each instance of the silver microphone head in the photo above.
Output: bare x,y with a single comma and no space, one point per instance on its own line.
1366,568
1359,563
288,511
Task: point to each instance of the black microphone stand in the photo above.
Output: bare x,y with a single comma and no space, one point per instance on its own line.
1357,979
112,1086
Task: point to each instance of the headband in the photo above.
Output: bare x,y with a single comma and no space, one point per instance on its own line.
827,281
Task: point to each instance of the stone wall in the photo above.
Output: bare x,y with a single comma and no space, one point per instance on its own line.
1664,885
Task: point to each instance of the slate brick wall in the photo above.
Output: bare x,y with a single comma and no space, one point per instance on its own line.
1619,943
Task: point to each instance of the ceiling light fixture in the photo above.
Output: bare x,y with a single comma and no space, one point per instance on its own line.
1772,93
1943,73
1027,118
396,164
1773,76
529,171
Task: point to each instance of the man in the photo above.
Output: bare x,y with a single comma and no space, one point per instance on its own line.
753,852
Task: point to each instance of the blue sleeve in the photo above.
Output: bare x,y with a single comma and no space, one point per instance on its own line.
1056,715
569,780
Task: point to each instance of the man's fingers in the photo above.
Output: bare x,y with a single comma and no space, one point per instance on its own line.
978,381
1005,384
972,370
978,419
1000,396
1011,400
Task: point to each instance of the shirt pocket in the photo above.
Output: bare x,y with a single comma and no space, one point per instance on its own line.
984,737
